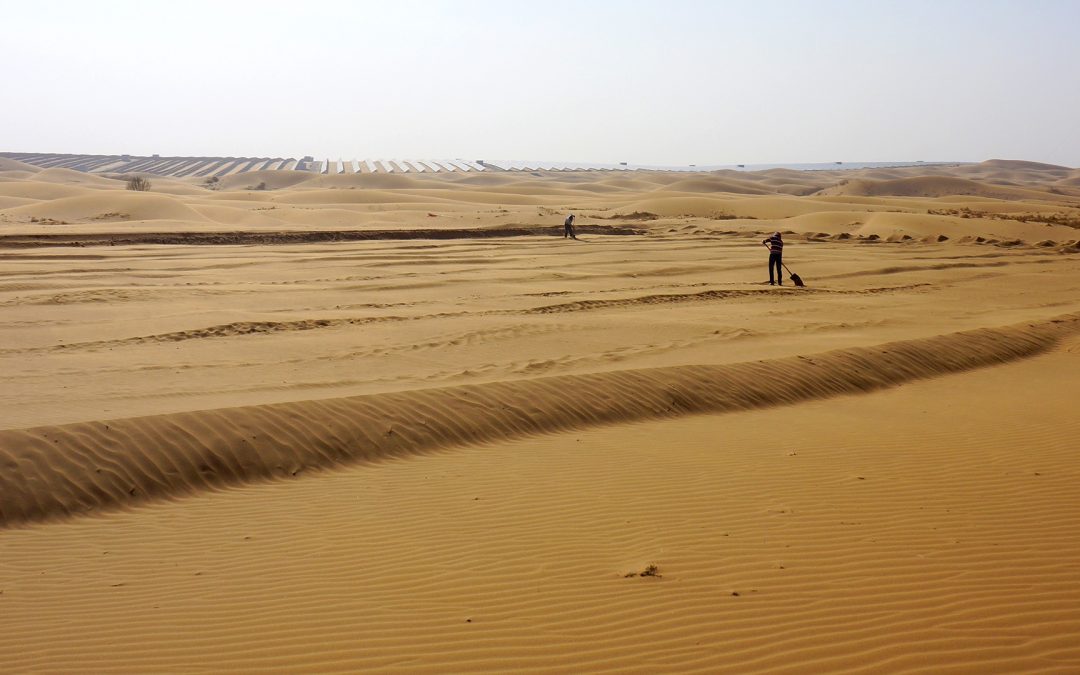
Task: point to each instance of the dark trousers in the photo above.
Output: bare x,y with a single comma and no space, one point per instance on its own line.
568,231
774,260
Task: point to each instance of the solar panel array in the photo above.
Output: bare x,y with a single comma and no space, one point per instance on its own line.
219,167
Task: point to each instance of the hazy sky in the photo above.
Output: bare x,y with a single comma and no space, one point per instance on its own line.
665,82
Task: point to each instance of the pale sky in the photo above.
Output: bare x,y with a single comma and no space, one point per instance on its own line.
651,82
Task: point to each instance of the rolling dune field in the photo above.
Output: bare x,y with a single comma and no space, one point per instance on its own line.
396,422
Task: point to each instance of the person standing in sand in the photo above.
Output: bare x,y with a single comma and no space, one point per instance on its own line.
568,227
776,253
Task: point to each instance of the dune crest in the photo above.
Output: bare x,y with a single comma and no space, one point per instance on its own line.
8,164
55,471
932,186
1023,164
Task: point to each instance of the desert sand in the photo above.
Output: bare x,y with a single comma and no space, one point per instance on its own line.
389,422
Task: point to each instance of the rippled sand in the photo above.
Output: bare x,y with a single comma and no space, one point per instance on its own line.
492,453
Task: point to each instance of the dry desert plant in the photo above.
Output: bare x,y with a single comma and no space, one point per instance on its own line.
138,183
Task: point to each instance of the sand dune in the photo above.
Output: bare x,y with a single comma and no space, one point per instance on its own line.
917,539
1021,164
243,217
130,205
274,180
70,177
284,198
1072,180
16,175
378,181
330,196
8,164
716,185
41,191
888,224
51,470
11,202
940,186
395,422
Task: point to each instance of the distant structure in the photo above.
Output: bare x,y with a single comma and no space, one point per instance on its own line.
219,167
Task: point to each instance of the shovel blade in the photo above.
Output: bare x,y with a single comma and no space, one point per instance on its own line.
798,280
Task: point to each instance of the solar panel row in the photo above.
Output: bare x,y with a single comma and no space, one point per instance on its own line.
218,167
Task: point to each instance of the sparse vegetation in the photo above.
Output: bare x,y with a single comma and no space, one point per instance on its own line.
212,183
260,186
636,215
138,183
650,571
1066,219
724,215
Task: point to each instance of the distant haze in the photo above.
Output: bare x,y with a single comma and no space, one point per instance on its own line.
667,82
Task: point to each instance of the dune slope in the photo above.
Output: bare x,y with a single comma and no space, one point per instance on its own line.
927,528
63,470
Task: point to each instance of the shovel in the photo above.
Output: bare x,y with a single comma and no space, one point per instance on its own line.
794,277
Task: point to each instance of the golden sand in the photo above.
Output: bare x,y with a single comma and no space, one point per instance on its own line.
494,453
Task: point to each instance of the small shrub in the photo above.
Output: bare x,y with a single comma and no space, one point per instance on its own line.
138,183
1062,218
650,571
636,215
724,215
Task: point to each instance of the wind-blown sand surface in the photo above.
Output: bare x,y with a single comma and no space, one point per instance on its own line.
259,449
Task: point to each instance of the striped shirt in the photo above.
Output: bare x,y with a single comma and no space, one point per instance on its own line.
776,244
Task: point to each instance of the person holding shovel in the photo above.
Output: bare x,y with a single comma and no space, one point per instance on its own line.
568,227
776,255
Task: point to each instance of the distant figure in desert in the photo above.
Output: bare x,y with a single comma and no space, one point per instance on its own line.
776,253
568,227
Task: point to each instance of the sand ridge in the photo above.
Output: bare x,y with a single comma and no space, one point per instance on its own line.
930,535
50,471
133,330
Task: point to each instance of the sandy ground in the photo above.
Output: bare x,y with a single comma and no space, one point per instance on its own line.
931,527
433,455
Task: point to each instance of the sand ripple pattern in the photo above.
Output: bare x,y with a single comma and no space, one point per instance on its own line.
238,328
54,471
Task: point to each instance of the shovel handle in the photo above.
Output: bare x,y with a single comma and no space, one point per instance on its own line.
766,245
